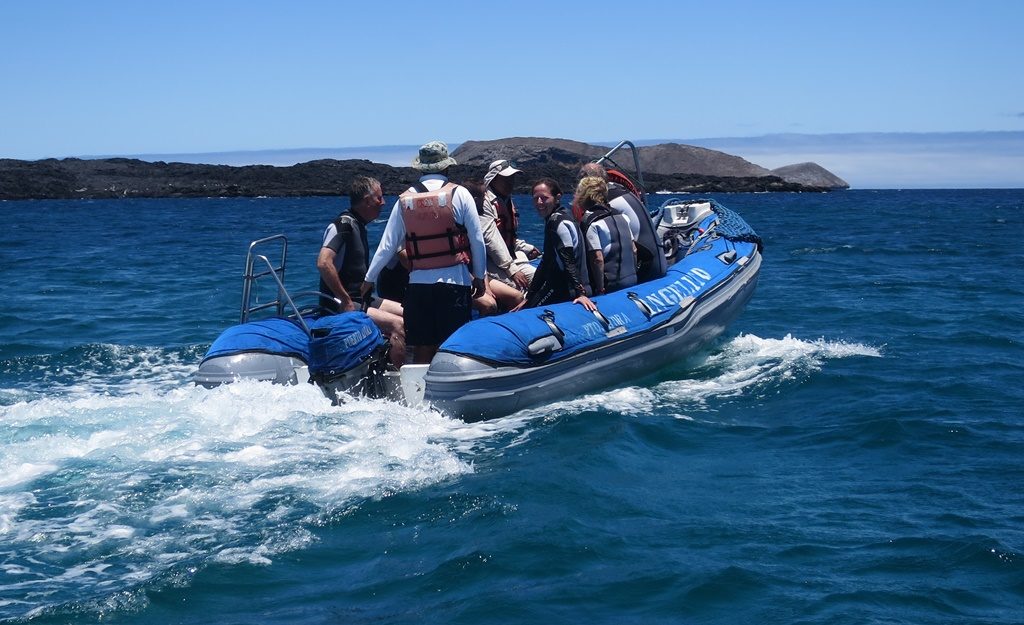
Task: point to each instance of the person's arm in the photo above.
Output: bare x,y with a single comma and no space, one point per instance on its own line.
403,259
519,277
497,251
529,249
572,277
585,302
595,260
325,265
465,207
391,241
566,252
536,285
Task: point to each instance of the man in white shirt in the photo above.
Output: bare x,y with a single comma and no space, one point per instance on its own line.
436,222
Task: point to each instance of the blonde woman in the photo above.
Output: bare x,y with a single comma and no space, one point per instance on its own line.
611,254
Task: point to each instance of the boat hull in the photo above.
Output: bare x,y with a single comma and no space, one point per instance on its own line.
472,390
277,368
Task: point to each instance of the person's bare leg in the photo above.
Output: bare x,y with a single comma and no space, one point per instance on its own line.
486,305
393,327
508,297
390,306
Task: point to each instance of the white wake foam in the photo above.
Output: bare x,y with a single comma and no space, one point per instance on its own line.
748,362
113,490
742,365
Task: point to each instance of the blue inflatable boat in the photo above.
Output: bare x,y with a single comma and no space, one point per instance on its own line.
494,366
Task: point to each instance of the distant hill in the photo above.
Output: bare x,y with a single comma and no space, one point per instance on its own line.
674,158
528,152
663,165
811,175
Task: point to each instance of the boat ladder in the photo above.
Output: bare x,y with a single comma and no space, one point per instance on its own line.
260,266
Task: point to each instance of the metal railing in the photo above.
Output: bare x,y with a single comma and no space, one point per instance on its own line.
639,179
250,277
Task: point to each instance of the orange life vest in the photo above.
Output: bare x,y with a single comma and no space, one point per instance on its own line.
507,221
433,239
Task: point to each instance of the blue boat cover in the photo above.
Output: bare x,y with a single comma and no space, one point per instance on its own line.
504,339
271,336
340,342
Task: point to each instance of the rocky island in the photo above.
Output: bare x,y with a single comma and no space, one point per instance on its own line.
666,167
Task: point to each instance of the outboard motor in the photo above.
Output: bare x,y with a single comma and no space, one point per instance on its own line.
343,354
677,225
348,355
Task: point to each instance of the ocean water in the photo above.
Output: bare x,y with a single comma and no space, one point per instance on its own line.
851,450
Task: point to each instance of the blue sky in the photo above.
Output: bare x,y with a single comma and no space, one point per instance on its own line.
114,77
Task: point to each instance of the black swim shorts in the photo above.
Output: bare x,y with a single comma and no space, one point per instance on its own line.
434,311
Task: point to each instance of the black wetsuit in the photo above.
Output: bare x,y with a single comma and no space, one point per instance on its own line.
352,256
562,273
650,255
619,259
